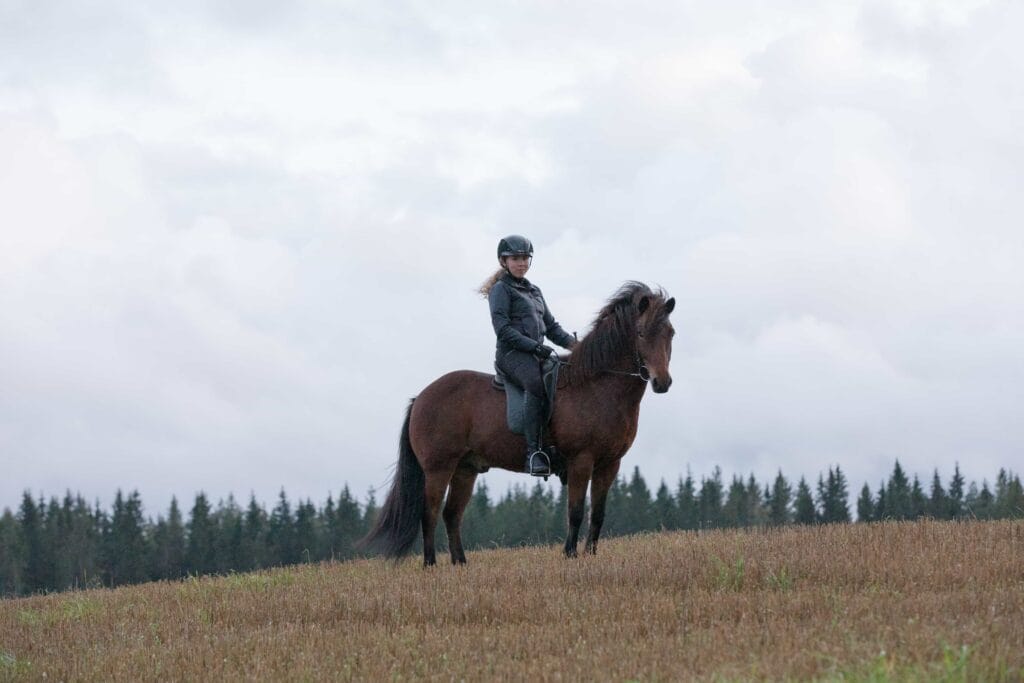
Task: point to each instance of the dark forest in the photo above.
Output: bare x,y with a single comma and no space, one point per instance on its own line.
58,544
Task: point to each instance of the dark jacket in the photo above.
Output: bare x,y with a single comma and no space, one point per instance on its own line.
520,317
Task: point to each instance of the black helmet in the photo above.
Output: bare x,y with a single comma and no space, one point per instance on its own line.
514,245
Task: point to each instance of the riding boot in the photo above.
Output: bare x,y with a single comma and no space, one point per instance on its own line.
538,463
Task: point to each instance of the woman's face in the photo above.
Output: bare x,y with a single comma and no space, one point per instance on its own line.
518,264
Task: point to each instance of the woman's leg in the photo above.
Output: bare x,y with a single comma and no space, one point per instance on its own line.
524,370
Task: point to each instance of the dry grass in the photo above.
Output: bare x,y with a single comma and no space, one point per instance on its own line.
910,601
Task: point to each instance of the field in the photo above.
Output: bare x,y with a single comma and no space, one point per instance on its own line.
897,601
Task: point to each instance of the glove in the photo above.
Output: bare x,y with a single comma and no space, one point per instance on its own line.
543,352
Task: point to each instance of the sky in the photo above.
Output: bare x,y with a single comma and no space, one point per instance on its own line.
236,238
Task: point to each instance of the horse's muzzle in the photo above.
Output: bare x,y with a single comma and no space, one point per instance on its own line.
660,385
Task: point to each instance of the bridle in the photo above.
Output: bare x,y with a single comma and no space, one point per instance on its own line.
642,372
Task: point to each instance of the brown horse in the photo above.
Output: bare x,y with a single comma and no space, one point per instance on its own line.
456,428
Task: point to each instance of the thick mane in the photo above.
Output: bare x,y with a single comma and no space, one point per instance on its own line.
613,332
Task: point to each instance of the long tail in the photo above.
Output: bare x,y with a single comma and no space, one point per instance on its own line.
400,520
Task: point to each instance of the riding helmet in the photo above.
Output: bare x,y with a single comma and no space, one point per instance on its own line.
514,245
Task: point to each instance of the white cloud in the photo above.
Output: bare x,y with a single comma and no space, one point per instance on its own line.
233,245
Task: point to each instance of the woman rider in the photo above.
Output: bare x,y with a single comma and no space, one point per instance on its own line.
521,320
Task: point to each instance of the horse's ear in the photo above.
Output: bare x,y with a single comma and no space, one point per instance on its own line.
670,305
642,305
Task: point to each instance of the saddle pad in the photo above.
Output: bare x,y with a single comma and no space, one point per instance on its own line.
515,397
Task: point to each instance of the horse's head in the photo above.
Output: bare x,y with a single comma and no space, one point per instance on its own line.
654,335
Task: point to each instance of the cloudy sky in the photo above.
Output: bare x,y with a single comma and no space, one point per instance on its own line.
235,238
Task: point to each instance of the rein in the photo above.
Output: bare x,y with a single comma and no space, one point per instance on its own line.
642,372
641,369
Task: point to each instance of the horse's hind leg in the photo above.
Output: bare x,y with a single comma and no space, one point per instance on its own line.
435,485
459,493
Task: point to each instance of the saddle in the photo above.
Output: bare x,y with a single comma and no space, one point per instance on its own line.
515,396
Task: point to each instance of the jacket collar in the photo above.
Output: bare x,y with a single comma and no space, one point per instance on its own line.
518,283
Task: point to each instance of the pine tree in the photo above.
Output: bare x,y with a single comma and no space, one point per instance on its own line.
306,532
779,502
370,512
60,523
561,527
865,506
918,501
516,525
56,527
709,501
540,515
834,498
101,527
637,515
665,511
169,545
804,510
734,512
230,536
820,495
882,503
615,523
126,550
80,551
37,570
1011,504
200,553
898,502
348,524
281,533
956,494
983,503
686,503
254,552
938,502
12,560
757,514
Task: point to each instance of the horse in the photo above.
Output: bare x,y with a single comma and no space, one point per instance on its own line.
456,429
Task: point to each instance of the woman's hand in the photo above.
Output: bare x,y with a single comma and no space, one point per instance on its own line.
543,352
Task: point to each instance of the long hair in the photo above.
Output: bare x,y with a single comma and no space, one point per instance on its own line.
485,288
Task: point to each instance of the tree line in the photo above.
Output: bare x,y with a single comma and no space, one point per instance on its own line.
61,544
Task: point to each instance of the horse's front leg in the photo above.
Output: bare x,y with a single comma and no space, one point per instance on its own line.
580,469
604,477
459,493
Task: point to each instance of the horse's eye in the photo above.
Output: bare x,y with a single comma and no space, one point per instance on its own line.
640,333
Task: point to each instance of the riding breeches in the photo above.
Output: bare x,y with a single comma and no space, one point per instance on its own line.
523,369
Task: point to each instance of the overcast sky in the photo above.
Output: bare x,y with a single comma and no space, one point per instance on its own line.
236,238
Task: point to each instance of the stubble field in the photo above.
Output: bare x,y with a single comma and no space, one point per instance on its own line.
897,601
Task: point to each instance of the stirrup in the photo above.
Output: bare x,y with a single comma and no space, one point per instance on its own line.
538,464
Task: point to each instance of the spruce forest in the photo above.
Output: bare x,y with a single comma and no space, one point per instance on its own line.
63,544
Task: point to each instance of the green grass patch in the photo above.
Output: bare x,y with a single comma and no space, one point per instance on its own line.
11,666
730,577
957,665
